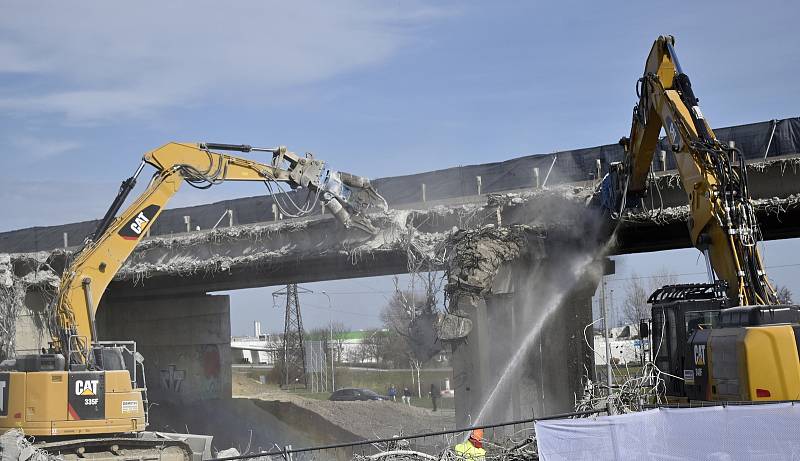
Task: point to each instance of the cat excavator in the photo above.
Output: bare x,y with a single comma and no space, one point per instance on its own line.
728,339
87,398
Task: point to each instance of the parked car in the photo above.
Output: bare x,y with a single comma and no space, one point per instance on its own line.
350,393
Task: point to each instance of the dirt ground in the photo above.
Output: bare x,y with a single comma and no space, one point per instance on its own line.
368,420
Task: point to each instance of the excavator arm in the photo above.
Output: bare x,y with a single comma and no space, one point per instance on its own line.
85,280
722,222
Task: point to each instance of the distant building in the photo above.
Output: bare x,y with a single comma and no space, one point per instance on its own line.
259,349
356,347
360,347
626,346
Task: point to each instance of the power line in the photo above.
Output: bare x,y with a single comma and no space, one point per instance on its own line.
638,277
325,308
369,287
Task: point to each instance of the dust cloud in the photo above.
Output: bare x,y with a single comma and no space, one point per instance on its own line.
529,284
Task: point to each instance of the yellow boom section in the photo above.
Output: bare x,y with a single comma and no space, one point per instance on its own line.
85,280
722,222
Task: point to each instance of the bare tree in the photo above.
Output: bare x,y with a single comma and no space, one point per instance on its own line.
635,307
411,315
784,295
398,315
324,333
394,351
367,351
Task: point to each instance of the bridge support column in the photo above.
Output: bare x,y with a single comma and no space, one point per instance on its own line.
185,341
535,309
471,362
558,360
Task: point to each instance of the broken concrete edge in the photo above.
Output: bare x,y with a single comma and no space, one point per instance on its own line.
40,271
475,256
578,193
391,238
672,179
768,206
667,181
12,303
397,228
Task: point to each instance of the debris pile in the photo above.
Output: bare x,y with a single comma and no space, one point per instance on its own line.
475,256
14,446
638,388
20,274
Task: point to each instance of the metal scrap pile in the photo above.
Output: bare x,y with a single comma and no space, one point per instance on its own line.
508,443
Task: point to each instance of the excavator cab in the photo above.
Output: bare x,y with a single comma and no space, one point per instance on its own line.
681,314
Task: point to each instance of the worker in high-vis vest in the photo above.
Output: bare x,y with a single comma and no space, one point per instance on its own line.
472,449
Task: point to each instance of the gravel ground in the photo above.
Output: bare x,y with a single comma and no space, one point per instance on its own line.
372,419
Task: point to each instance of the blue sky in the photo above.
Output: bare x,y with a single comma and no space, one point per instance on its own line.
377,88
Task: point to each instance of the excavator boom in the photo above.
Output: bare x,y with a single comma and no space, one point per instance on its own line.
714,176
706,349
86,279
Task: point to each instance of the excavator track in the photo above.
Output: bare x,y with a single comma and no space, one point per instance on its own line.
118,449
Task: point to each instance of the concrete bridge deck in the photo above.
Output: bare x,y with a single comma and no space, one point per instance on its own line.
317,248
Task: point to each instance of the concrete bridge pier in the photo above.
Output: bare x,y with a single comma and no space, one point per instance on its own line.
559,361
534,308
471,363
185,341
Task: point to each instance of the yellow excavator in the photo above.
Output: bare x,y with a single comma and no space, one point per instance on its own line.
728,339
82,395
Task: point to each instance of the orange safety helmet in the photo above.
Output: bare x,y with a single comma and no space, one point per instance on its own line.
476,435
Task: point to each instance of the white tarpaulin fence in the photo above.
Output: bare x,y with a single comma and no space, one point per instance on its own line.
747,432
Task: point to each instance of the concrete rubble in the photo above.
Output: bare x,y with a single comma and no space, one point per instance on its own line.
14,446
474,257
20,274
